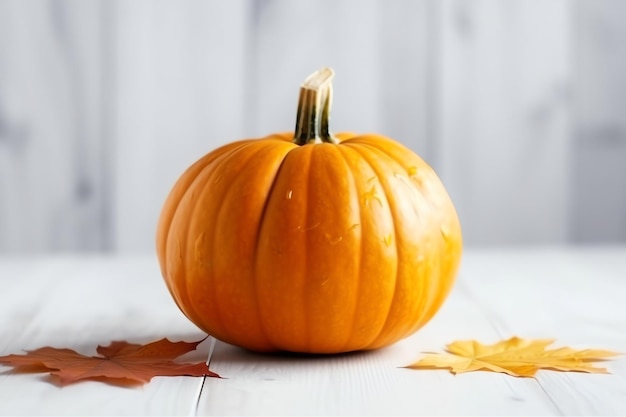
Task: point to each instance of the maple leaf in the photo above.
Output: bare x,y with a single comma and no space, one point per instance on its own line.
119,363
514,356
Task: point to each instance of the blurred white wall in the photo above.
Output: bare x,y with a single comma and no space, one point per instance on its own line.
517,105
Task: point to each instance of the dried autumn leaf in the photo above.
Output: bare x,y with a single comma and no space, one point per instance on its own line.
514,356
120,362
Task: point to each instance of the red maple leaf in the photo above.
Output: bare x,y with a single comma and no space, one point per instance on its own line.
120,363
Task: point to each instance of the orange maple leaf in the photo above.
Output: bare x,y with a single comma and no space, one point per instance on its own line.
120,363
514,356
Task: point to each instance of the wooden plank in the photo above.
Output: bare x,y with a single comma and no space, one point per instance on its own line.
599,148
368,383
503,118
573,296
50,93
80,303
408,75
178,93
373,383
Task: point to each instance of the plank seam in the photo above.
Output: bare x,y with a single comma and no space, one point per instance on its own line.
196,404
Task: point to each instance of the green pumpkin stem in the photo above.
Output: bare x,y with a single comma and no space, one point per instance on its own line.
316,95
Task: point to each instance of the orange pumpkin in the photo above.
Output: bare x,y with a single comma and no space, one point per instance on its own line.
311,242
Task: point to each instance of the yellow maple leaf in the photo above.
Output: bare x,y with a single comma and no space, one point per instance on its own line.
514,356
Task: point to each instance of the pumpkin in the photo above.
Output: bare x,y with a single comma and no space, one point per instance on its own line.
309,241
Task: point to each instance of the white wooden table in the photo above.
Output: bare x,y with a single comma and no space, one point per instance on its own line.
575,295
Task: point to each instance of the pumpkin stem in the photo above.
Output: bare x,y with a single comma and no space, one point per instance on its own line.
316,94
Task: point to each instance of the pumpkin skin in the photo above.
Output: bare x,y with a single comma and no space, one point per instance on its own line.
320,247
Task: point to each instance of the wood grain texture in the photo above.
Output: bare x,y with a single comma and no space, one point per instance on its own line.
571,294
599,150
51,191
370,383
179,93
80,303
104,103
504,119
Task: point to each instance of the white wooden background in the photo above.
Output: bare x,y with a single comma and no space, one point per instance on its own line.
518,105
